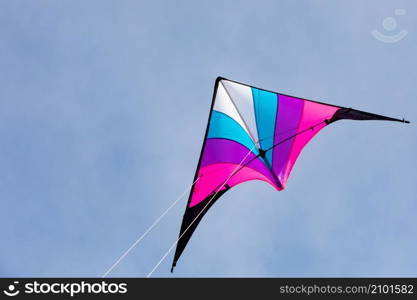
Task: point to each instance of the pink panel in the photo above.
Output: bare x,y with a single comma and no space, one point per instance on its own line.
313,113
212,176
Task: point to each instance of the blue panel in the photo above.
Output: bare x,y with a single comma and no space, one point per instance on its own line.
266,105
223,126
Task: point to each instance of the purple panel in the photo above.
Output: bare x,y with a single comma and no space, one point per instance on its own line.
228,151
289,113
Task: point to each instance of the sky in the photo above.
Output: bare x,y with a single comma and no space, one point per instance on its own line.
103,107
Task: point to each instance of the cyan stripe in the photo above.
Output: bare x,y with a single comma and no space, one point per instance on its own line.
266,105
223,126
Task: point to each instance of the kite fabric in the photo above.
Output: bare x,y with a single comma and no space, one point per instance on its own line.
254,134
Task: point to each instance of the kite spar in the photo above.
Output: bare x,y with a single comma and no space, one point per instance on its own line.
253,134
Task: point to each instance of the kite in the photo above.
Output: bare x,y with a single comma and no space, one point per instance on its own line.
254,134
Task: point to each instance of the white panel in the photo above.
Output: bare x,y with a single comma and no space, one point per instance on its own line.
241,96
223,104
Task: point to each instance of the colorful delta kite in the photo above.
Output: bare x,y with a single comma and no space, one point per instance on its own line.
254,134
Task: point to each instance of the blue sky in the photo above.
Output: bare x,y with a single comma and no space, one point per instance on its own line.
103,107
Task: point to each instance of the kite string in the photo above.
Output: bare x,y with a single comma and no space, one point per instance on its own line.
148,230
208,203
171,206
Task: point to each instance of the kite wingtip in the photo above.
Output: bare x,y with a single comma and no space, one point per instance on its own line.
405,121
220,78
172,269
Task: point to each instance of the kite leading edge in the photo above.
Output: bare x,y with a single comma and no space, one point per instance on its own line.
254,134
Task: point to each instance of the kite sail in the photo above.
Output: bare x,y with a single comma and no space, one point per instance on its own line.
254,134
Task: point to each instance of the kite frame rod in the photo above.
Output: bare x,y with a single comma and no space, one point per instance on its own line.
216,84
305,99
279,143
